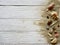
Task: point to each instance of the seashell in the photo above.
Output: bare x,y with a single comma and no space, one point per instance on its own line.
54,28
47,17
49,34
51,39
56,34
58,25
50,31
47,28
54,15
51,6
49,22
54,40
53,23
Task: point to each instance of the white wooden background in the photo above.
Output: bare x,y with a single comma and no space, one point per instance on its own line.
17,22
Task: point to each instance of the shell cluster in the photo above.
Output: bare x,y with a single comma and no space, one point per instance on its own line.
52,24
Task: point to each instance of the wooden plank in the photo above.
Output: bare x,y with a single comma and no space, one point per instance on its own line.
10,24
17,25
24,2
21,11
28,37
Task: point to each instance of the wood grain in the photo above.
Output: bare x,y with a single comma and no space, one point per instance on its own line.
24,2
21,11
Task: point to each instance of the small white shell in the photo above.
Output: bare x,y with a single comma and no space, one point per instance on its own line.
53,23
51,38
54,40
49,34
51,30
53,12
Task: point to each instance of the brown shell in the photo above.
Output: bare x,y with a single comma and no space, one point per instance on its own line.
51,6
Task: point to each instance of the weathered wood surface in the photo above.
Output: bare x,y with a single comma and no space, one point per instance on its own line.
24,2
21,11
17,22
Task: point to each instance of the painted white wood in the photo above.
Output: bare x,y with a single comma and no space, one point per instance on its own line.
24,2
28,37
17,25
21,11
19,31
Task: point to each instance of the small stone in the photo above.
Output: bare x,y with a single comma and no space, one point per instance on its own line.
54,41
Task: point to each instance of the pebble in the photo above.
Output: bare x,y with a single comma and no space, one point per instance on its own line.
54,40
